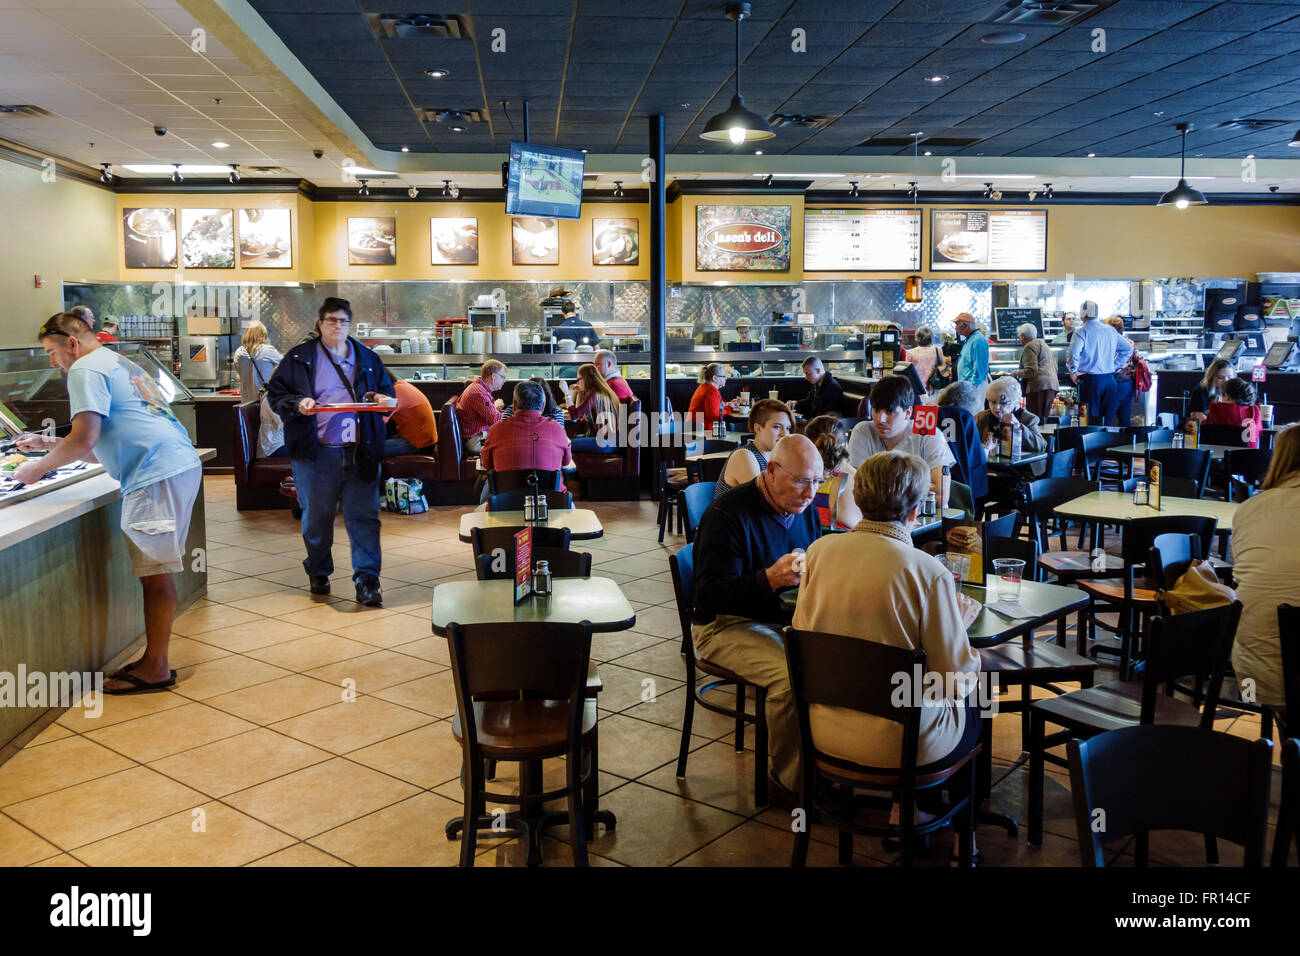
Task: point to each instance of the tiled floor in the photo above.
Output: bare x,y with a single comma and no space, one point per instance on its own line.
256,756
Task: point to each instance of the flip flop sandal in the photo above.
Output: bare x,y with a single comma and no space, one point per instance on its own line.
117,674
139,685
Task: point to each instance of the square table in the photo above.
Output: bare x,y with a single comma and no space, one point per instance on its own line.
930,523
1139,450
581,522
1116,507
999,464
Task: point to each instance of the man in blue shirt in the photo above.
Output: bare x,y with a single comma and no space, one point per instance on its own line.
121,419
1096,351
573,328
973,363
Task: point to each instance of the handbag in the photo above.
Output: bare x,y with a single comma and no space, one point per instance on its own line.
1199,588
1141,375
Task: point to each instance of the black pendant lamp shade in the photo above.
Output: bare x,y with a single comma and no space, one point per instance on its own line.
1183,195
736,124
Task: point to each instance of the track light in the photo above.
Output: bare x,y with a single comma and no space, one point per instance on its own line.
988,190
1047,191
767,180
446,187
363,191
106,173
912,191
997,195
853,189
618,189
234,173
176,173
413,192
455,191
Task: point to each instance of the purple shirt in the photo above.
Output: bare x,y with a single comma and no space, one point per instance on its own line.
335,428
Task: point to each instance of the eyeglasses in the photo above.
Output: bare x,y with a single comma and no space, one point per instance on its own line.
1003,400
799,482
333,321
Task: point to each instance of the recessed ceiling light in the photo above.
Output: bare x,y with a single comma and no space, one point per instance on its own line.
1091,155
1158,113
1250,155
436,74
1002,37
935,77
458,129
220,145
406,149
583,150
758,152
927,153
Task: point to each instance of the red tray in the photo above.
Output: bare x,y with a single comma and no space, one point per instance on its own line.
351,407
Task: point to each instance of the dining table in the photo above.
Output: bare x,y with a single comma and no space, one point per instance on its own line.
1140,449
1117,507
581,522
599,601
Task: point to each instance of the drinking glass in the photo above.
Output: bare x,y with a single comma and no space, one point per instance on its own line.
1009,572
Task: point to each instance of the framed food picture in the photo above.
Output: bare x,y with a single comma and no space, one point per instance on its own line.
454,242
742,238
265,239
534,241
149,238
208,238
615,242
372,241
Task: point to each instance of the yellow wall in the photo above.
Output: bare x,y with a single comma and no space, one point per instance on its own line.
57,230
1135,242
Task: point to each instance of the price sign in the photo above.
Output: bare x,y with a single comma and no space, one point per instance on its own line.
523,564
1259,373
925,418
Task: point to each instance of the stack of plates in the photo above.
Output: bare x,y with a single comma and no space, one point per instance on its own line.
564,345
586,348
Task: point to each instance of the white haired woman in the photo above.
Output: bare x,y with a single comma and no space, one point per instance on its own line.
1004,406
1037,371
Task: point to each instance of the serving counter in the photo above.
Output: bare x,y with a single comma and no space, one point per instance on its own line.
68,600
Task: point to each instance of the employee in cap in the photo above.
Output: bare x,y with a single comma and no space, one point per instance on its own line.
1096,351
744,330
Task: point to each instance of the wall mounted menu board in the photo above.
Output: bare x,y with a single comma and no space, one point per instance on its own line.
988,240
861,240
1008,320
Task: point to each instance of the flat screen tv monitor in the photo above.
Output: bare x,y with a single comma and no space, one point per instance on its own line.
544,181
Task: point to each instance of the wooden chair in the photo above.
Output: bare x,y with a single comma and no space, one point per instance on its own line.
1130,596
514,500
1095,450
1289,812
1230,435
673,477
1245,469
502,481
1060,464
682,565
521,695
1288,817
696,499
1161,777
1197,644
1070,438
832,670
1042,498
562,563
706,469
1193,463
486,540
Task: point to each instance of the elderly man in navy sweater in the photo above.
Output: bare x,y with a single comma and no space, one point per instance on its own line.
745,554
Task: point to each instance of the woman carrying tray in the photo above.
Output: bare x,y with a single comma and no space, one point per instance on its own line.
335,455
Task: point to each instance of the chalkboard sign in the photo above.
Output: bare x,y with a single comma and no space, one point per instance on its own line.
1008,320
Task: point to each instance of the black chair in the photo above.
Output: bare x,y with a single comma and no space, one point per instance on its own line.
484,541
848,672
1070,438
1008,547
706,470
710,446
696,499
1289,812
1160,777
521,695
561,562
1095,449
1288,817
514,500
1197,644
1132,597
1042,498
1060,464
682,565
1230,435
1167,420
1193,463
1152,433
1169,558
502,481
673,477
1003,526
1245,469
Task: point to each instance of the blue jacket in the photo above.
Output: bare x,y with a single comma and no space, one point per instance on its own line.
973,363
964,441
294,380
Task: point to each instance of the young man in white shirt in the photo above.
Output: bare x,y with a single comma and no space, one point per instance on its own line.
890,429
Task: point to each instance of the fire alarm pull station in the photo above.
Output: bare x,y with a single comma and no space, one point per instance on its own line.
40,283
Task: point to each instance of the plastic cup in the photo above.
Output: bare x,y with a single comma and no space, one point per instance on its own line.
1009,572
774,395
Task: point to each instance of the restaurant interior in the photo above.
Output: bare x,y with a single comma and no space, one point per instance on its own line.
776,198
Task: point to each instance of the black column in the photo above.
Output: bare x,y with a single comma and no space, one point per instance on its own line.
658,272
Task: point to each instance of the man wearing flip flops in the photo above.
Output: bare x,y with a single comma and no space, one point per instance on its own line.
120,419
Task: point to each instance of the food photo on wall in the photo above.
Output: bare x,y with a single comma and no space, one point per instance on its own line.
372,241
149,238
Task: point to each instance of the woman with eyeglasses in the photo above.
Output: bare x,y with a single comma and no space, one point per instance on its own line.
1004,405
335,456
707,400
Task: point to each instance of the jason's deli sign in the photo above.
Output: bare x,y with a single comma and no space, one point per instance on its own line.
743,237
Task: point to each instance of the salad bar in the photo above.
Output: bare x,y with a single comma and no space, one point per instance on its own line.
12,491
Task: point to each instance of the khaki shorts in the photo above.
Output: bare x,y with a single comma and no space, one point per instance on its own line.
156,522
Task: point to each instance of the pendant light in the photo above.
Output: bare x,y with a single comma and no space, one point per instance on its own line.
912,285
1183,195
736,124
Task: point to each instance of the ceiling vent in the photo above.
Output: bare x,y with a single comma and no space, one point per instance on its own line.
1047,13
265,170
800,120
23,110
951,142
439,115
426,26
1250,125
886,142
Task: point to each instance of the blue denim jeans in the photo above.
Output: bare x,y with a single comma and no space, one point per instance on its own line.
322,485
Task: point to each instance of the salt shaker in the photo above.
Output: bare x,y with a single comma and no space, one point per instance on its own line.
530,508
542,510
542,579
931,505
1140,494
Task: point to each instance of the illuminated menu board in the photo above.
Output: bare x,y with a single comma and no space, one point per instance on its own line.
988,240
861,240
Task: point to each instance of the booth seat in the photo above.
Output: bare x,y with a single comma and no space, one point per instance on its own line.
613,475
257,480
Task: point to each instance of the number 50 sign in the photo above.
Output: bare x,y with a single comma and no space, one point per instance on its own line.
925,418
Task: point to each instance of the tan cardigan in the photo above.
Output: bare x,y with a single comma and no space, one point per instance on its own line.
879,588
1037,372
1266,565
